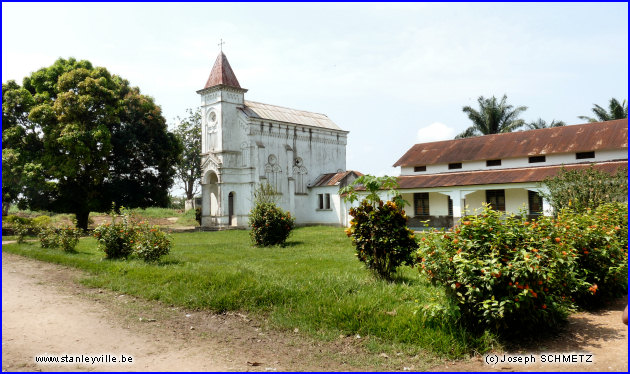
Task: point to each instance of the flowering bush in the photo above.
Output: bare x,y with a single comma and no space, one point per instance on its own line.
503,273
122,239
269,224
381,237
117,239
151,243
48,237
21,226
600,239
68,238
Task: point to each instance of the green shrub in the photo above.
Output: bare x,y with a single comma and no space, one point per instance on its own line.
116,239
579,190
381,237
41,222
21,226
198,215
270,225
502,273
379,230
48,237
152,243
600,238
68,238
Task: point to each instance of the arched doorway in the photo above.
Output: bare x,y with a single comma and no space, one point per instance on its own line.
230,207
210,198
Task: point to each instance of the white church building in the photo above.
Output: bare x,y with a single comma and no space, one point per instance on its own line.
245,143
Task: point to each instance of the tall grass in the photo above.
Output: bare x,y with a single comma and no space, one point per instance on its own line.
314,284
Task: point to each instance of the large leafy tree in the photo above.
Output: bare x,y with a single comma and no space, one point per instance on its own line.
188,132
616,110
542,124
493,117
78,138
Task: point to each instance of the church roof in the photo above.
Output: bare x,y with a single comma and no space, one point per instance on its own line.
222,74
565,139
335,179
281,114
503,176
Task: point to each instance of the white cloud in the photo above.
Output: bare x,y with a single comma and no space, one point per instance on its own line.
434,132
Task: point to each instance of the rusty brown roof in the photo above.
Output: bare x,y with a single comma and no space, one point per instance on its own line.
520,175
222,74
334,179
565,139
281,114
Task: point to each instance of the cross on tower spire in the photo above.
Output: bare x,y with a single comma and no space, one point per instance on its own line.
221,44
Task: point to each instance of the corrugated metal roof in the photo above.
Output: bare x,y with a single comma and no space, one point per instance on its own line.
334,179
565,139
281,114
520,175
222,74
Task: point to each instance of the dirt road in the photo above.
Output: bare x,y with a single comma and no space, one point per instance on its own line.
46,313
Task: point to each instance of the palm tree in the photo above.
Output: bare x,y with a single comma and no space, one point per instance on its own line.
616,111
542,124
493,117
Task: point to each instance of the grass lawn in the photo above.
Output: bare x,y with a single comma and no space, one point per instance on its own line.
315,284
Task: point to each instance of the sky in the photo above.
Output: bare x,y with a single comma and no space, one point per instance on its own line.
391,74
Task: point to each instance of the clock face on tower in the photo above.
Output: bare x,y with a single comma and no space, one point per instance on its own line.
212,117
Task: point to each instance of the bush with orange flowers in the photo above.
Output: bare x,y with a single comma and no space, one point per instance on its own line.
116,239
151,243
599,238
124,237
500,273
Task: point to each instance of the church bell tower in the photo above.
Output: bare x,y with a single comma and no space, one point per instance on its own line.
221,100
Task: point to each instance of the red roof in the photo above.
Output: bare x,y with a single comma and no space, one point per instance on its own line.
222,74
502,176
565,139
334,179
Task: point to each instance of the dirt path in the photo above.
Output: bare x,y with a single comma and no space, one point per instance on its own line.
45,311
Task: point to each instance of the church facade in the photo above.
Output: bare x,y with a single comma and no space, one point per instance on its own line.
245,144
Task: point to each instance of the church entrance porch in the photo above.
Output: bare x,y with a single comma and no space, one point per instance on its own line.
210,207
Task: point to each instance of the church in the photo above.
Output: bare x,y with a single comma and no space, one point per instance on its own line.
245,144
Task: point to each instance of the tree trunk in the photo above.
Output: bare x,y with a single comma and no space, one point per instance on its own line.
82,220
5,209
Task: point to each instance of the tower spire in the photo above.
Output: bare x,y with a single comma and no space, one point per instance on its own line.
222,73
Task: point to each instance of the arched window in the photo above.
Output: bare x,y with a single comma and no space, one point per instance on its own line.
299,174
272,172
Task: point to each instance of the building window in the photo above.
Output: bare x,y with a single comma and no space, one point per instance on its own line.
534,159
583,155
535,203
421,204
450,206
324,201
455,165
272,173
420,168
299,175
496,199
493,162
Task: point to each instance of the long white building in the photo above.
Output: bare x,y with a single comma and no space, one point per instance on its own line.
441,179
